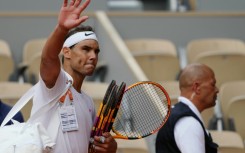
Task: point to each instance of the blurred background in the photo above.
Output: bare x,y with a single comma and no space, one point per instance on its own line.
139,40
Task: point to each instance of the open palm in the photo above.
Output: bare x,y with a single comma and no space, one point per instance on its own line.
69,16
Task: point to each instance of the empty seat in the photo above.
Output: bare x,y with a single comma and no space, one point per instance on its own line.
11,92
225,56
227,66
197,46
132,146
30,65
228,91
172,88
157,58
6,61
208,115
231,150
235,113
227,139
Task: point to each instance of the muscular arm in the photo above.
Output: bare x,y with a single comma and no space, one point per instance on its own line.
69,17
50,63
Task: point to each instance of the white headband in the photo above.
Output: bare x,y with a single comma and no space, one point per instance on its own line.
79,36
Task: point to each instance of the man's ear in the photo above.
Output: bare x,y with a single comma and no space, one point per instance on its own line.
66,52
196,87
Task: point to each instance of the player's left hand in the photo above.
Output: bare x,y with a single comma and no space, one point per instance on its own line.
105,143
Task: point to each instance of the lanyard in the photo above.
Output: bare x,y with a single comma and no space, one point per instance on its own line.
62,99
67,114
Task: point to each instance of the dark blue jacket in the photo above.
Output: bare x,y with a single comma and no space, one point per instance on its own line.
4,109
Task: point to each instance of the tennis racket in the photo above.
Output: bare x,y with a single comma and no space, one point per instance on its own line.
144,109
116,106
108,103
106,112
102,106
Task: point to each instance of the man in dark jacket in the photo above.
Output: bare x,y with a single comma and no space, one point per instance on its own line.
184,132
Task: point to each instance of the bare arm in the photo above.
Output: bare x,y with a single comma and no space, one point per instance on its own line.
69,17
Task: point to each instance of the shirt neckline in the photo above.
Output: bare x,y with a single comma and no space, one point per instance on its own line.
191,106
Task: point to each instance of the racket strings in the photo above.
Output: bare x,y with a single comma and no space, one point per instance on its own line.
143,110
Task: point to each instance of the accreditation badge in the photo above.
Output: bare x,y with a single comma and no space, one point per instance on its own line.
68,118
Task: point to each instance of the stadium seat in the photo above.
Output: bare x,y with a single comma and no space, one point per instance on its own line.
172,88
231,150
157,58
132,146
30,65
227,66
227,139
197,46
225,56
208,116
6,61
10,93
235,112
228,91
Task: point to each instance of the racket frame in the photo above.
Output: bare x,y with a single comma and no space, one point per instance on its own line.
119,136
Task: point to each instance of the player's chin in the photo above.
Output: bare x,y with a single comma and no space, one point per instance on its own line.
90,72
213,103
90,69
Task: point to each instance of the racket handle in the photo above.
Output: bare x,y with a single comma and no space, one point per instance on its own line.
118,103
109,124
97,120
109,109
101,130
95,126
114,114
99,126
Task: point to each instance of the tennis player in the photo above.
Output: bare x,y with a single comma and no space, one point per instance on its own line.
80,49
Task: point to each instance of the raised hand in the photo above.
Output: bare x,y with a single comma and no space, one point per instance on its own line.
70,14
